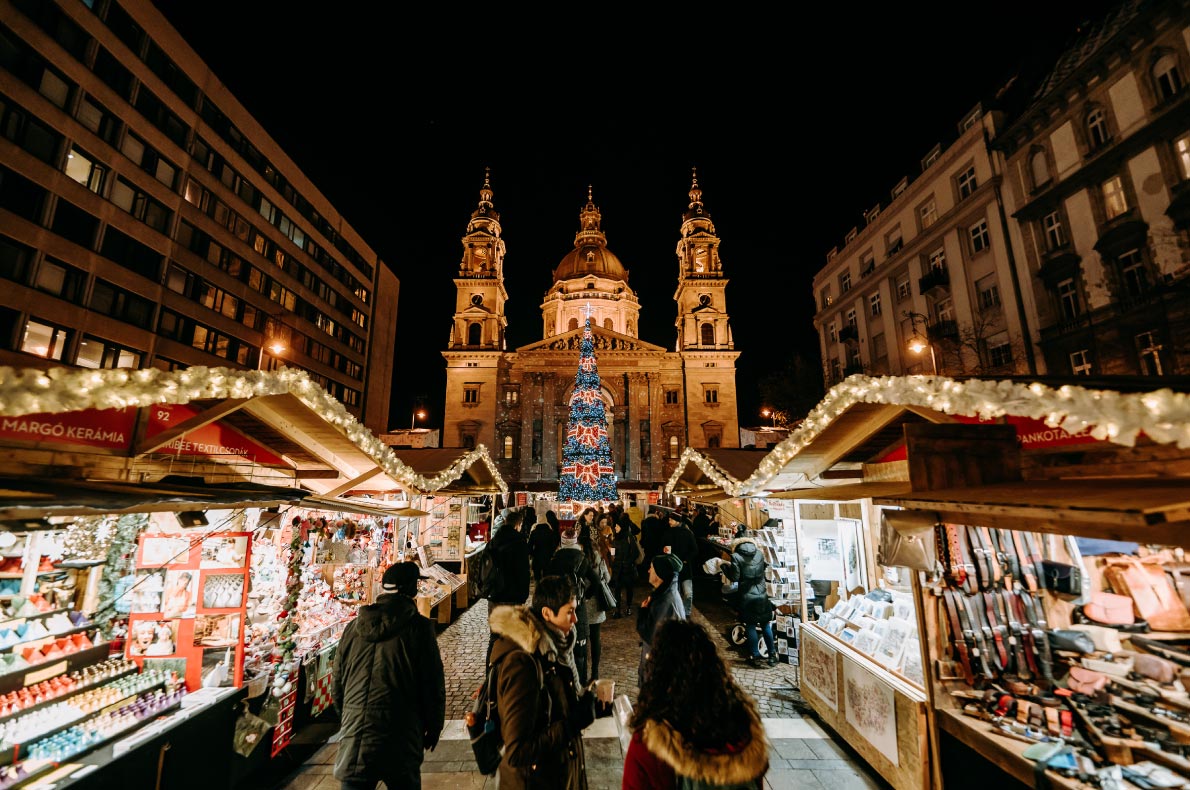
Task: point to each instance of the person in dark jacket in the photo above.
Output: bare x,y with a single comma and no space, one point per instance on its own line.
571,561
388,687
543,706
664,603
623,567
693,726
701,525
511,553
747,569
543,541
683,545
652,531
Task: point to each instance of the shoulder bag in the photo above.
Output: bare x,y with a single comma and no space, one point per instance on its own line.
907,540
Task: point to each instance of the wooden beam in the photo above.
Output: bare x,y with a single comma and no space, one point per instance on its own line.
205,417
350,484
316,474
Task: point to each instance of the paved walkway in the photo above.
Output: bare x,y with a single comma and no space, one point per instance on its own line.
804,755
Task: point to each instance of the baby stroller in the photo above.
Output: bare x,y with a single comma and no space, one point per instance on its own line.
736,633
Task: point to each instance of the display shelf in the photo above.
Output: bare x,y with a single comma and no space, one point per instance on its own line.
39,615
21,751
21,575
73,692
17,679
42,639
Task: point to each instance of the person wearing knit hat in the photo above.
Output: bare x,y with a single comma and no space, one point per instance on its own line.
571,561
664,603
684,546
570,536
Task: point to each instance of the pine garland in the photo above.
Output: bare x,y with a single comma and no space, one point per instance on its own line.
120,560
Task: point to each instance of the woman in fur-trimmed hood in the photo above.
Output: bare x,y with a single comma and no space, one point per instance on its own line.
693,728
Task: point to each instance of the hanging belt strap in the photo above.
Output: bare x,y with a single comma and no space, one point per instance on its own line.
962,570
1016,635
1028,576
961,636
980,557
993,555
998,629
1036,615
975,607
971,622
1021,616
1010,560
1034,556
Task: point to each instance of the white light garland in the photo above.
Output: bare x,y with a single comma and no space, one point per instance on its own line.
28,391
1162,415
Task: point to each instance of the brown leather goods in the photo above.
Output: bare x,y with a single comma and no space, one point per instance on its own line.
961,637
1062,577
1081,680
1157,668
907,540
1179,574
1110,609
1151,590
1106,640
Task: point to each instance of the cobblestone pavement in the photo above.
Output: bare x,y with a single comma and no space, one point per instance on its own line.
803,754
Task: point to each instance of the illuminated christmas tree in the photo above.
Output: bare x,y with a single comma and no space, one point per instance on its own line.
588,476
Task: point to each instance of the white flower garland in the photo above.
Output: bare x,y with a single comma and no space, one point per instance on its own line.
29,391
1163,415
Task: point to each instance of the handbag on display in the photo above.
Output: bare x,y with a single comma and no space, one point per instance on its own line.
1085,681
1062,577
1105,639
1071,640
1151,590
908,540
1110,609
1156,668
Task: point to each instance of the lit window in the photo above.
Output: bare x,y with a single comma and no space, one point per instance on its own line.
989,292
44,340
967,183
874,303
1115,202
1055,237
980,240
824,296
999,351
673,447
1182,150
82,169
1166,77
1097,131
1148,347
471,393
508,447
95,353
1068,300
1080,362
511,397
928,213
938,260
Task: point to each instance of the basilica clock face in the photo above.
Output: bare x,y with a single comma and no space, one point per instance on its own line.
477,299
704,299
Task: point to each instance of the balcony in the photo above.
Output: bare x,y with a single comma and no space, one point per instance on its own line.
848,334
1060,263
946,329
936,278
1179,205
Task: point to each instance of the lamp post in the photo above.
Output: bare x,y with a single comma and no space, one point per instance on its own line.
418,414
274,340
917,343
766,412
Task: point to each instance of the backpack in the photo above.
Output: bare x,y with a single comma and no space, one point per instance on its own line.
483,721
484,575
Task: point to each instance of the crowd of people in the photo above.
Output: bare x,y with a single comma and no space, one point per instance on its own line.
692,725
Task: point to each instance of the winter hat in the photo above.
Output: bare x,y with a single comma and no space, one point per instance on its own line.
402,578
666,565
570,536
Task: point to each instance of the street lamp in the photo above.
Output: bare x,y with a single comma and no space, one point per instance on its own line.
917,343
274,340
418,414
766,412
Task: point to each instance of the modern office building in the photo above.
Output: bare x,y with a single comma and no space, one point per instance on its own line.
147,220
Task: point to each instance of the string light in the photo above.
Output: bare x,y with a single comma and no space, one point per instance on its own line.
28,391
1161,415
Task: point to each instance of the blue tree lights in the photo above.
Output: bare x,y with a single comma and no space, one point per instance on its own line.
588,476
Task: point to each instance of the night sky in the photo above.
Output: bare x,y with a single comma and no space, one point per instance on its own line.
797,124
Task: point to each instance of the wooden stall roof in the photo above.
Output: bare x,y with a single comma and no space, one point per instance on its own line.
706,471
845,492
1151,510
464,471
362,506
285,410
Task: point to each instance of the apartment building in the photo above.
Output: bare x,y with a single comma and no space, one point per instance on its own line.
926,284
1098,182
147,220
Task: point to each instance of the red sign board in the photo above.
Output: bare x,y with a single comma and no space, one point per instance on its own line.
109,429
1031,434
214,439
654,497
522,498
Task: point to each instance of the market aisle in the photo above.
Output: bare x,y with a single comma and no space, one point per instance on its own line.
803,754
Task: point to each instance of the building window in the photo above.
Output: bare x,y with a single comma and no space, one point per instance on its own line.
867,263
824,296
903,289
999,351
673,447
836,371
1149,349
1133,276
874,303
512,396
474,334
607,324
1115,202
1055,237
713,441
879,348
708,334
573,325
851,318
44,340
938,260
1080,362
1068,300
980,240
508,446
845,282
84,170
832,332
928,213
471,393
1182,151
96,353
1040,169
468,441
710,395
989,292
671,396
1166,77
1097,131
944,309
893,241
60,280
967,183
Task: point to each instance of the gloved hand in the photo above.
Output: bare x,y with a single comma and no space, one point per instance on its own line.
429,740
582,714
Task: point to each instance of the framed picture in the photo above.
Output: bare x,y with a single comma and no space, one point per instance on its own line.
181,593
848,635
892,645
222,590
146,592
224,552
217,630
153,638
156,552
866,641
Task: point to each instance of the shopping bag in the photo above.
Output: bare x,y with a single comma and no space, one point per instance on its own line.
249,733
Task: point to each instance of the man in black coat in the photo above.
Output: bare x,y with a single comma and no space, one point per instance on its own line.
388,688
510,549
683,545
543,540
652,536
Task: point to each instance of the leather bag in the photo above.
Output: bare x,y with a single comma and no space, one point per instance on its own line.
908,540
1151,590
1106,640
1110,609
605,599
1062,577
1085,681
1071,640
1159,669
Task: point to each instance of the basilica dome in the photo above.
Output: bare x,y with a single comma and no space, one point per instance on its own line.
590,259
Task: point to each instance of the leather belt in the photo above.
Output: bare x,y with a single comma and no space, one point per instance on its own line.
962,568
1034,556
1030,646
981,634
1010,560
998,628
989,545
982,564
1016,635
961,636
1028,575
1040,640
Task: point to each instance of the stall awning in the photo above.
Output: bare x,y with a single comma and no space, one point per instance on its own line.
453,470
709,499
24,498
1132,509
363,507
844,493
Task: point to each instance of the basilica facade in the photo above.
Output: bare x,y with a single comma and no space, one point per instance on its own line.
517,402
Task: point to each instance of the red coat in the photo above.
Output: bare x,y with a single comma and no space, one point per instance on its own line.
643,770
658,755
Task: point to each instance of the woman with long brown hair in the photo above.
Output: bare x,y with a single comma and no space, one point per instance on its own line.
692,724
